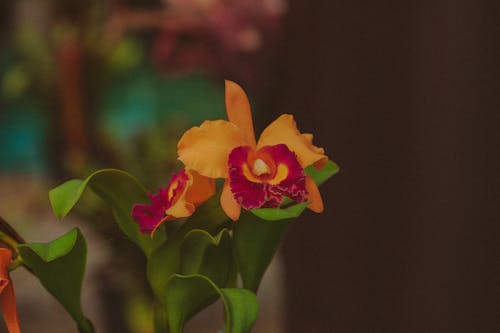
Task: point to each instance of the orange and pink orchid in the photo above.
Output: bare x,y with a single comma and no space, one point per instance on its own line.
186,190
257,173
7,296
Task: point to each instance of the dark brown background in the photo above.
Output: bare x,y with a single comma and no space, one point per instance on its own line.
404,96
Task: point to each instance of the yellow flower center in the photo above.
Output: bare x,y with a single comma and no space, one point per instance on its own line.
260,168
171,190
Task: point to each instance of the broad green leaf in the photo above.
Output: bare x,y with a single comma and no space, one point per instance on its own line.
60,265
255,242
160,322
275,214
166,259
57,248
118,189
210,256
322,175
65,196
196,252
184,297
187,294
241,306
163,262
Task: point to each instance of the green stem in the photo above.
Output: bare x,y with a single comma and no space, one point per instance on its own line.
6,239
12,243
18,261
160,318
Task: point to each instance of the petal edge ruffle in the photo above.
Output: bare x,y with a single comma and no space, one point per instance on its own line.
284,130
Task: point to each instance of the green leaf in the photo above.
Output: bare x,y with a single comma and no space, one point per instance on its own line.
60,265
210,256
241,307
118,189
184,297
65,196
160,321
322,175
57,248
196,252
255,242
275,214
187,294
166,259
163,263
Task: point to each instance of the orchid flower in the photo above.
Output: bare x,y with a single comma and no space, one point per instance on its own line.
7,296
186,190
257,173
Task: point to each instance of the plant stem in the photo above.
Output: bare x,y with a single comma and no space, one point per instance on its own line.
9,241
160,318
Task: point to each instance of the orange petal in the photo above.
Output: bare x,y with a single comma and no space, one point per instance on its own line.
7,296
200,188
164,220
229,205
284,130
9,309
181,209
205,149
197,190
239,112
314,197
5,259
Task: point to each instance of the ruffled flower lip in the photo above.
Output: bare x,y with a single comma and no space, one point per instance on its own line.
149,216
263,178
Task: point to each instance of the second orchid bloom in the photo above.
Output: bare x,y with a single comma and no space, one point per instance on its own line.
185,191
257,173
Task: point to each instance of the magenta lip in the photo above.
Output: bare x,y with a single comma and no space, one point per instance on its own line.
148,216
256,191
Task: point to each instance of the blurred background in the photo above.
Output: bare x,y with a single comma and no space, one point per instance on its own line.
403,95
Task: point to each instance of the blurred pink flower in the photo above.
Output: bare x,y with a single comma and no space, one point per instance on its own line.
217,35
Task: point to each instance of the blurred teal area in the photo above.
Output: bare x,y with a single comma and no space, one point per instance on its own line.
136,102
23,134
141,100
